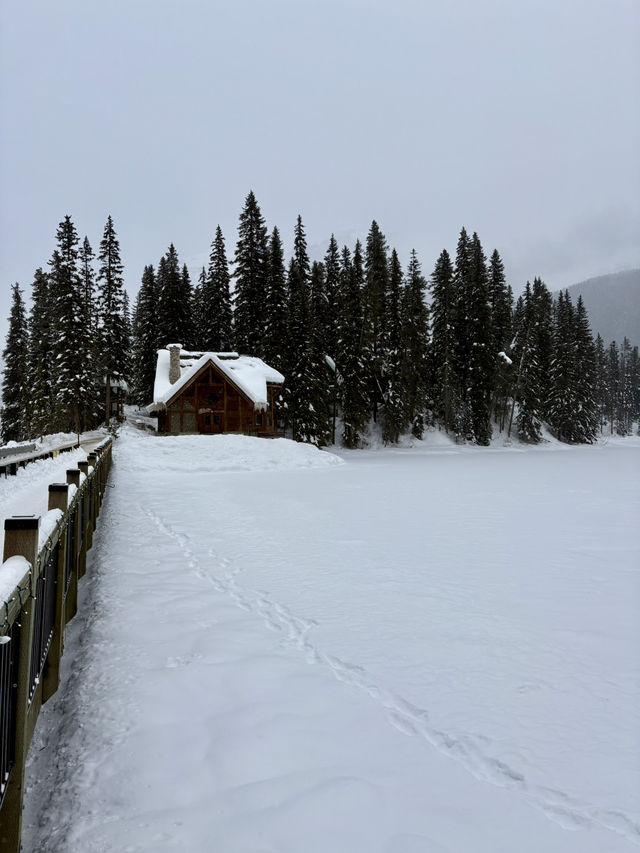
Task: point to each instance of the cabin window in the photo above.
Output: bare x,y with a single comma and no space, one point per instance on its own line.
268,420
259,419
216,419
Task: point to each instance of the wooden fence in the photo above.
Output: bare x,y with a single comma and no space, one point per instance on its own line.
34,616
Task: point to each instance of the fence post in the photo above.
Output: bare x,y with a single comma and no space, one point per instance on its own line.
20,539
71,604
58,499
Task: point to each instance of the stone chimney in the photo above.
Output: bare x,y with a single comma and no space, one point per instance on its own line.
174,362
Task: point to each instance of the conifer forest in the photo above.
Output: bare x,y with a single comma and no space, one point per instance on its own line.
361,337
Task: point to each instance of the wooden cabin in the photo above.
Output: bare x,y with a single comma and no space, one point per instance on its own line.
211,393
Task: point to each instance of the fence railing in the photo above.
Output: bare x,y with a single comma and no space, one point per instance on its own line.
18,457
34,614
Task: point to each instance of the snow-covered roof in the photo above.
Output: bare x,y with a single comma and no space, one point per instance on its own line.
249,374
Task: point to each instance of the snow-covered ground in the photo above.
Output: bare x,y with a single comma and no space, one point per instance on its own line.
403,650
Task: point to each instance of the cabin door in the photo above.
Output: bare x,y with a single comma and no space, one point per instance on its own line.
210,408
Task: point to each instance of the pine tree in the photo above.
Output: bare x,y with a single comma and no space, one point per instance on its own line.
216,299
277,351
112,323
145,338
612,388
331,266
375,297
86,258
40,356
625,416
444,345
543,340
572,409
527,394
601,380
175,324
251,270
72,345
303,388
197,312
585,371
350,358
481,364
394,412
415,346
635,385
502,335
15,388
463,337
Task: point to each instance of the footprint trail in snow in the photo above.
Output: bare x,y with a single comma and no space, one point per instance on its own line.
411,720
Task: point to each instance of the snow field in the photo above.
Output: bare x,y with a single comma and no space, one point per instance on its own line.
418,650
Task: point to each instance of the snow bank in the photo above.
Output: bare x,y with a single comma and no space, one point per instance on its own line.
222,453
11,573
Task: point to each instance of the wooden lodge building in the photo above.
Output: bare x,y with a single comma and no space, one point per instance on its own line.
213,393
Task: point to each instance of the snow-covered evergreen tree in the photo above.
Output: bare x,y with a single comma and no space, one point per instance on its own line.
175,324
415,346
40,356
625,408
481,361
304,374
216,299
73,373
16,402
197,313
572,408
502,335
86,259
250,273
277,350
110,309
444,350
352,382
145,338
374,303
394,412
331,264
527,390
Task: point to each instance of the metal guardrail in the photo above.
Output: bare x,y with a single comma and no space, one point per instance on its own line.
34,617
12,458
16,451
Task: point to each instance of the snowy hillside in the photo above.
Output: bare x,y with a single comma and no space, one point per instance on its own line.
403,650
613,304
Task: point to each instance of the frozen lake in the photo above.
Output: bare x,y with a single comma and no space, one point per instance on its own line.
399,650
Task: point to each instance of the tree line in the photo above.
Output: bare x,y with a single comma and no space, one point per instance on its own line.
359,339
63,357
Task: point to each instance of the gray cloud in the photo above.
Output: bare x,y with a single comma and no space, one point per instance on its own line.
514,119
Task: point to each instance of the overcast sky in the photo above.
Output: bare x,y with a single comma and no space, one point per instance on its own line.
515,118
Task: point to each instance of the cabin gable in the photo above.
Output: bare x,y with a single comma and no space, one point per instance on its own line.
211,403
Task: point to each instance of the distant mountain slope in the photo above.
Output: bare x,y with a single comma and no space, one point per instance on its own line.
613,304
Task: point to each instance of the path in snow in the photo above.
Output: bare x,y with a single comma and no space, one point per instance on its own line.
247,637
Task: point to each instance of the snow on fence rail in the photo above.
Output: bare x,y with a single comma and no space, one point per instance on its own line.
38,596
